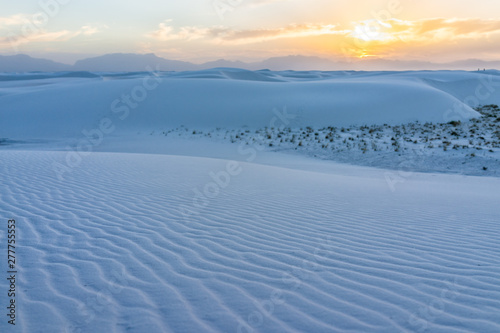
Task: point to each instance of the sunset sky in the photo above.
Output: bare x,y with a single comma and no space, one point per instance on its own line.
247,30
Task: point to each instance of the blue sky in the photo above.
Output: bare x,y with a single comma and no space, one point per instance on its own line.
203,30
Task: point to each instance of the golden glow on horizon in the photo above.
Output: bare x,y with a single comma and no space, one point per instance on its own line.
371,38
364,54
375,38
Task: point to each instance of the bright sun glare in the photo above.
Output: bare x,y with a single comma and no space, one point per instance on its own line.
371,30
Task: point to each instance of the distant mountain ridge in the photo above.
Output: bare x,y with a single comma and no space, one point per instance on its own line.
24,63
130,62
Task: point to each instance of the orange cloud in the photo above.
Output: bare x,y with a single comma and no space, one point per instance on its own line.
382,38
14,40
440,29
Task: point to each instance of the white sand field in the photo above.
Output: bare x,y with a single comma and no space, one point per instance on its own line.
122,231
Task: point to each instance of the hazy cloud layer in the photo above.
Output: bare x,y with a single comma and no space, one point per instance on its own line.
226,35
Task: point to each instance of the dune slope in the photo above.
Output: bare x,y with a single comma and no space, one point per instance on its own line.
40,106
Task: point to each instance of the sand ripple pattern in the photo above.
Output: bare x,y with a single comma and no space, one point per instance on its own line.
110,249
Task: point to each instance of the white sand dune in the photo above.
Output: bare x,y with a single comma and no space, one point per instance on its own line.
124,243
60,105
